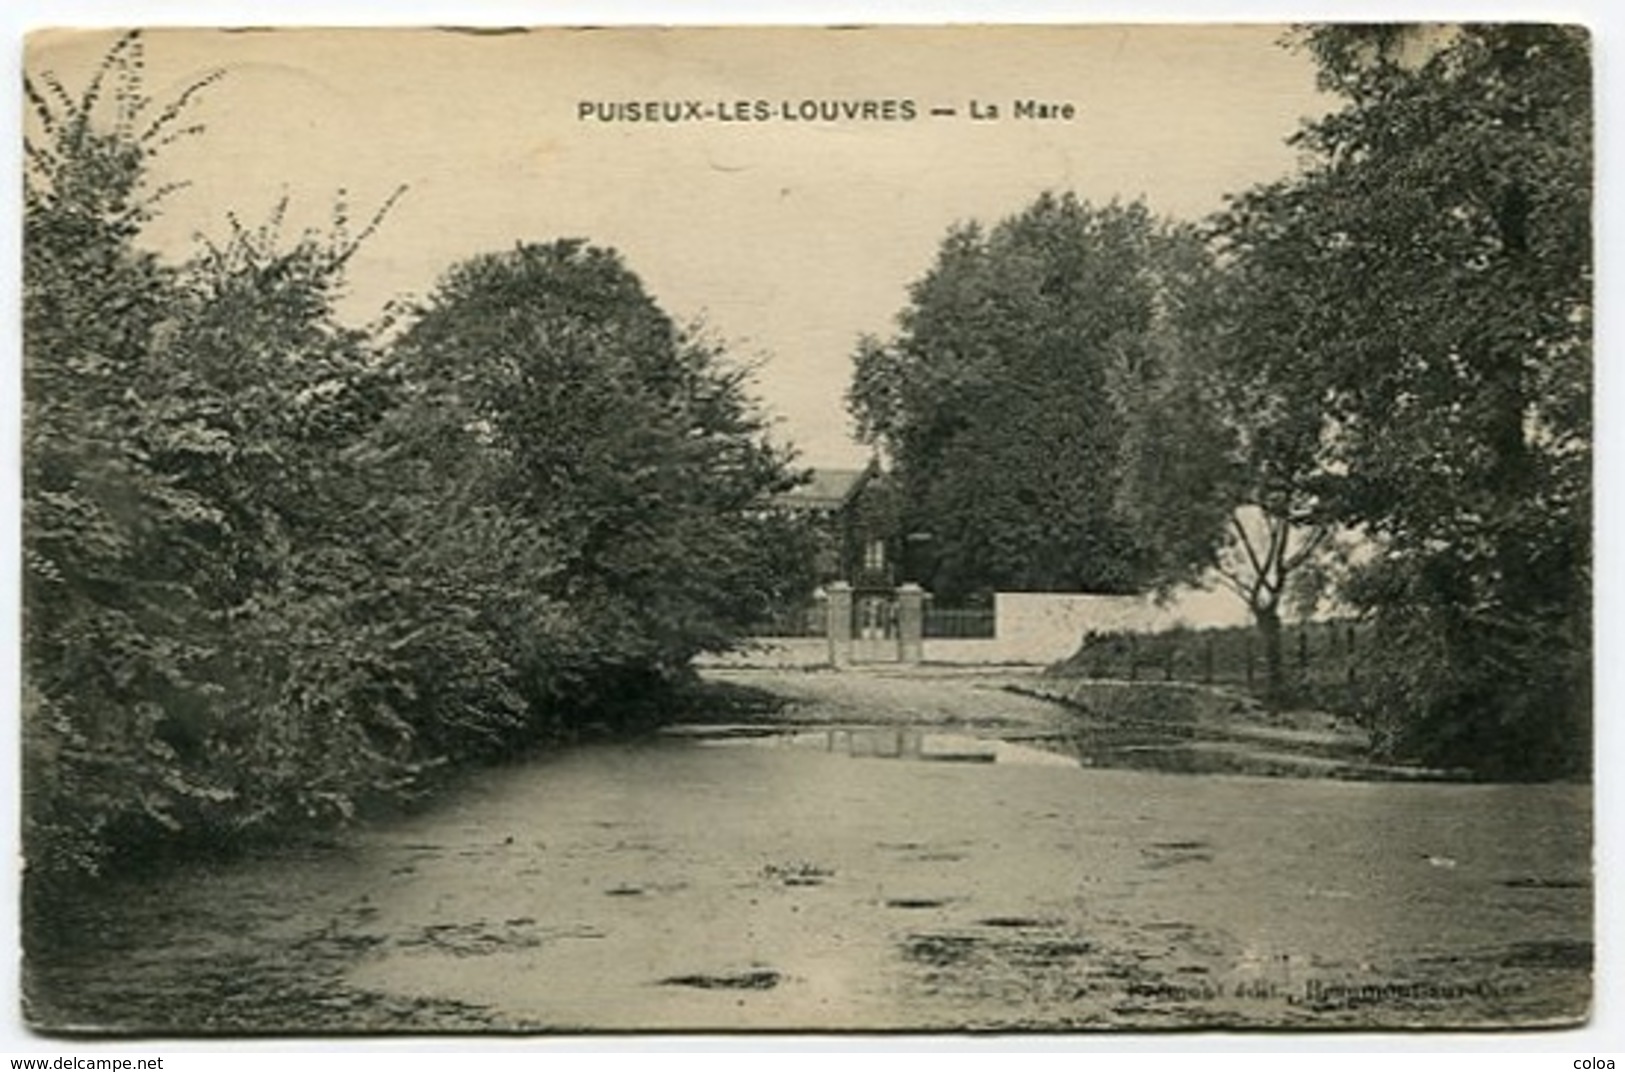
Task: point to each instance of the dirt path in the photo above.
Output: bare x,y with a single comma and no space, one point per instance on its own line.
937,696
793,881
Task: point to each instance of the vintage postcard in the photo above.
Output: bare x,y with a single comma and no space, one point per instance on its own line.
909,529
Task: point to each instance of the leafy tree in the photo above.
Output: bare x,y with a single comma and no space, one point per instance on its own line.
994,402
272,395
1220,467
194,667
274,567
626,449
108,537
1426,282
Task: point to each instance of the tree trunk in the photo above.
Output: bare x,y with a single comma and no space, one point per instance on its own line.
1269,628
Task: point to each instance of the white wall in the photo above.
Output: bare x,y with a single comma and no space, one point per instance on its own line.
1024,616
1032,628
1044,627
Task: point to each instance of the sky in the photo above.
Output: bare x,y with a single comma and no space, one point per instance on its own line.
788,237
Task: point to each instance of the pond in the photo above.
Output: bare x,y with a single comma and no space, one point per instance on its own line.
865,877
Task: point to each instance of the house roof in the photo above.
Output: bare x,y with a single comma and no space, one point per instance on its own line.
827,489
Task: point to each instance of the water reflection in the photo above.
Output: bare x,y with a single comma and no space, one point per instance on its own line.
1172,749
886,742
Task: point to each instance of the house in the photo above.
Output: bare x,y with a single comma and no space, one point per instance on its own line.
854,515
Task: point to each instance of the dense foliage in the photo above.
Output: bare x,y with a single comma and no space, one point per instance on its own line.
1426,281
1068,407
994,399
1377,371
1223,483
626,455
276,566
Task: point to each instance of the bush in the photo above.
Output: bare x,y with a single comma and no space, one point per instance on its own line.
276,568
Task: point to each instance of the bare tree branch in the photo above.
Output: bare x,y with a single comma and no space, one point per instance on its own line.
1316,539
1246,543
1280,532
1233,582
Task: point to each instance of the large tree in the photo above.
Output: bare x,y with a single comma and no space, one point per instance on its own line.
190,662
274,566
556,393
1427,282
993,399
1220,477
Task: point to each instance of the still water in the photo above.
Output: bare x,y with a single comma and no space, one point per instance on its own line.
880,877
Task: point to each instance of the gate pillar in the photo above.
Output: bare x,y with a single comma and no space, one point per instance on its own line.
838,627
910,623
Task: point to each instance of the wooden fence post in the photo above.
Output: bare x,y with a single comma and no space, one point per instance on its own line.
1207,658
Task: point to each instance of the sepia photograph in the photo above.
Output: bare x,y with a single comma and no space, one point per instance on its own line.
938,529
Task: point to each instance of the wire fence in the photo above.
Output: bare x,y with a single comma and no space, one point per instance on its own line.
1320,661
942,623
